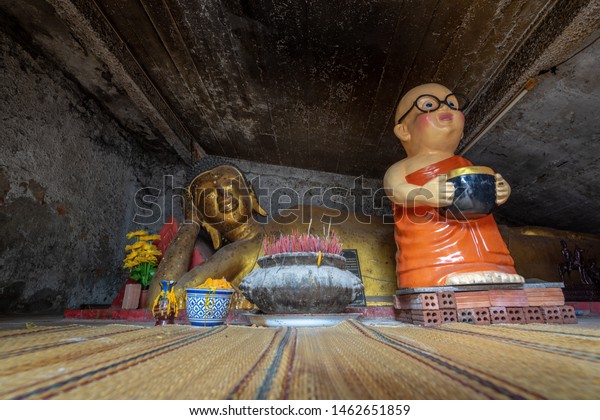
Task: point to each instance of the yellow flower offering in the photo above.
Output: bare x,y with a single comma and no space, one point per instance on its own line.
149,237
136,233
141,260
215,284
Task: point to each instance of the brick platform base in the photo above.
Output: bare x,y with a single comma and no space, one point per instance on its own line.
483,307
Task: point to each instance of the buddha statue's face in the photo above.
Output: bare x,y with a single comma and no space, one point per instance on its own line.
222,198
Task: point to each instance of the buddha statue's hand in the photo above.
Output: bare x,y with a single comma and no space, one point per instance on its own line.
502,190
437,192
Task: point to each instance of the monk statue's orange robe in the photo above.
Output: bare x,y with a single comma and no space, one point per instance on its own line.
431,247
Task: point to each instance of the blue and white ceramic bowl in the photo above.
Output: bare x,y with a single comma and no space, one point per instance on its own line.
207,307
474,194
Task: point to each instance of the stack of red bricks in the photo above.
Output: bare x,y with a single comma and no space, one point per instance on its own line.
500,306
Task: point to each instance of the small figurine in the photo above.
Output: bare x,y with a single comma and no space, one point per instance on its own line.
588,273
567,266
165,307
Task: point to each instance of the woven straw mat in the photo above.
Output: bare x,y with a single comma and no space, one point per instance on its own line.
347,361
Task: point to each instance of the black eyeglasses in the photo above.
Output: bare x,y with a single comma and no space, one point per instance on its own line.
429,103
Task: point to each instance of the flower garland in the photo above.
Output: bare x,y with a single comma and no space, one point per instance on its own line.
172,306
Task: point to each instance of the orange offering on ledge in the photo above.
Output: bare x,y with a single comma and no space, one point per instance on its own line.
215,284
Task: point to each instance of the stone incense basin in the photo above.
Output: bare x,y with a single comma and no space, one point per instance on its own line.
292,283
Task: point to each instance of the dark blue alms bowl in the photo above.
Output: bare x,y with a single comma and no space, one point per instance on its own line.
474,195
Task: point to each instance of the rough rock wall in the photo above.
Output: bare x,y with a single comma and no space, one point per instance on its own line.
69,178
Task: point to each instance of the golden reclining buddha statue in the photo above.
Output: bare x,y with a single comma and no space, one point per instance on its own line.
221,201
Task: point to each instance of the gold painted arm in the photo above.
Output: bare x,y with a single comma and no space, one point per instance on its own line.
234,261
176,260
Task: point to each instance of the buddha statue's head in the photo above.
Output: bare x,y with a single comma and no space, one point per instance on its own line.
224,202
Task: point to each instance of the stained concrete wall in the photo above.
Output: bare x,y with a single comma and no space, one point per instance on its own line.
279,187
69,179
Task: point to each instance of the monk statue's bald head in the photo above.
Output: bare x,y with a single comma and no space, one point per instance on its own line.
429,118
409,97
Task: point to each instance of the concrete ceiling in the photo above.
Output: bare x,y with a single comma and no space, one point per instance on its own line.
548,146
313,84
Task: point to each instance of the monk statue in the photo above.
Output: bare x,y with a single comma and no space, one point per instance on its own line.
221,201
434,250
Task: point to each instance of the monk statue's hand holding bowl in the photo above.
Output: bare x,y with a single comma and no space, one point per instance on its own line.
440,190
436,192
502,190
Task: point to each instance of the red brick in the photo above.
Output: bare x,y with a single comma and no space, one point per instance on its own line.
533,315
446,300
568,314
466,300
426,318
508,298
448,315
515,315
498,315
404,315
595,307
479,316
417,301
551,314
545,297
465,315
